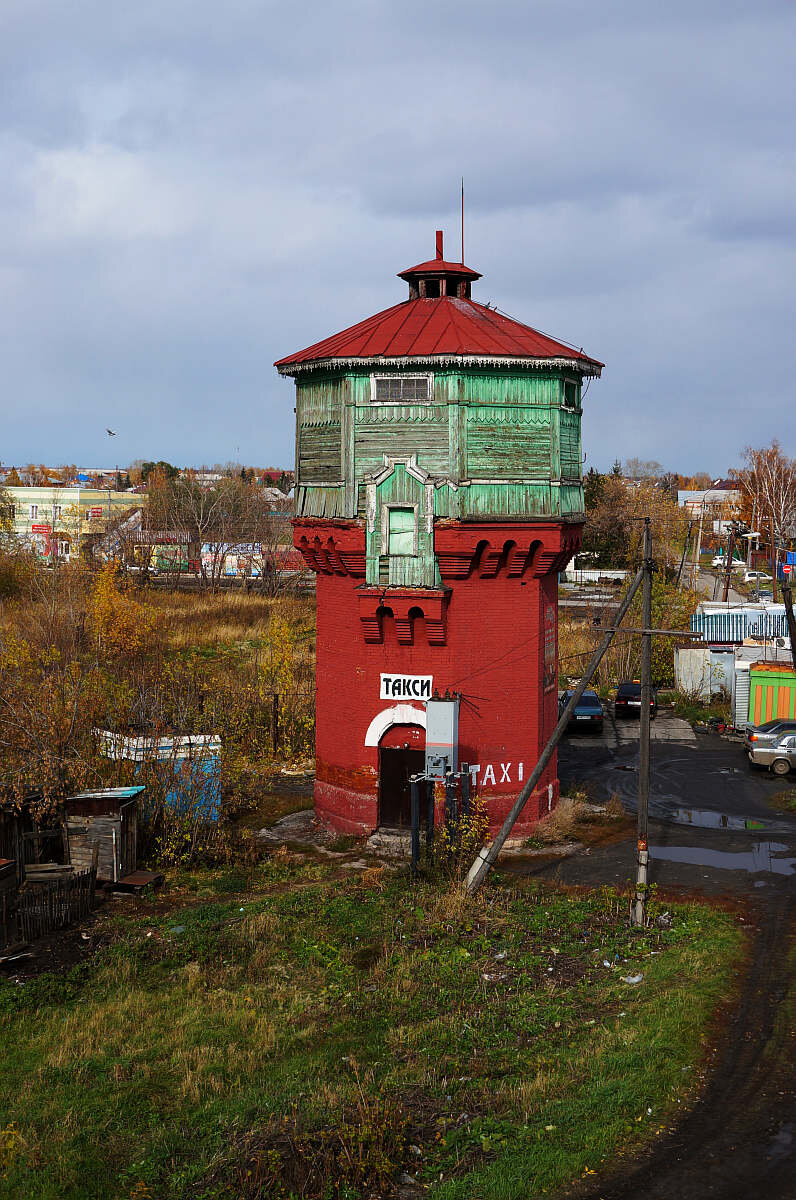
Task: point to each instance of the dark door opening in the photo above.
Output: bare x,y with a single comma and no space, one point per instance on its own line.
395,767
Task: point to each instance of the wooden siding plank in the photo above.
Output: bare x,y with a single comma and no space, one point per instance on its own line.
429,441
320,453
499,449
349,451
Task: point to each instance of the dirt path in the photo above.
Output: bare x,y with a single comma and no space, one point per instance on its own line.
736,1143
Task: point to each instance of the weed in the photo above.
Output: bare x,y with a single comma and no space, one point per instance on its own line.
299,1037
457,842
12,1146
614,806
342,843
561,824
697,712
785,801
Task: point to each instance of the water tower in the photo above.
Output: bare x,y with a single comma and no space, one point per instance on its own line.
438,494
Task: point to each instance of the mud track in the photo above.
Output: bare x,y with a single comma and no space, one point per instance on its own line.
736,1143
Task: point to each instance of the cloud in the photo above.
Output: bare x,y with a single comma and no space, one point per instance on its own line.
189,191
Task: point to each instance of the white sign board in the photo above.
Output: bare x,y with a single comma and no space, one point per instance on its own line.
406,687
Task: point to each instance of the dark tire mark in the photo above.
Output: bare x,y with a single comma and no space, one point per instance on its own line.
735,1144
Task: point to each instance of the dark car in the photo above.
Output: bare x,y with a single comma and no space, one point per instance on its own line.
588,712
628,700
767,734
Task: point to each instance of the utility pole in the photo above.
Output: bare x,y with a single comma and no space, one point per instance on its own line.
751,531
685,552
787,597
697,549
640,902
728,572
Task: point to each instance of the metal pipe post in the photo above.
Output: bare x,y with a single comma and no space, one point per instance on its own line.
640,902
465,771
414,786
430,802
450,798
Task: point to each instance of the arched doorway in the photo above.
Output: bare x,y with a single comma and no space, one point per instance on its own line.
402,753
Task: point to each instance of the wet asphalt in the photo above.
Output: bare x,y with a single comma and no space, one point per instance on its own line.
712,828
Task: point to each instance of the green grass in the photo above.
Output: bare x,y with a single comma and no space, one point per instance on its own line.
695,711
289,1017
784,801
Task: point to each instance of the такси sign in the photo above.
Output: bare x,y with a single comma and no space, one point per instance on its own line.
406,687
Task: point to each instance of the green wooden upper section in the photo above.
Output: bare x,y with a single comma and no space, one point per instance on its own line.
491,443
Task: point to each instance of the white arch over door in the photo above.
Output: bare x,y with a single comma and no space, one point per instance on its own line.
399,714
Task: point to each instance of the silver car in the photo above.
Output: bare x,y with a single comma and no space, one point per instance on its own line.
757,736
777,752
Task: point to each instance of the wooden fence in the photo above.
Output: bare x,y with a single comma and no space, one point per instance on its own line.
43,907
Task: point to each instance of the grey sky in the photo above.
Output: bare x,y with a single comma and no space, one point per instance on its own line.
191,190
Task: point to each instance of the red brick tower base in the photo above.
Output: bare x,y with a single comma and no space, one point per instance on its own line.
489,633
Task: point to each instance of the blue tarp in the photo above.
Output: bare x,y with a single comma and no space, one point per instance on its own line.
197,786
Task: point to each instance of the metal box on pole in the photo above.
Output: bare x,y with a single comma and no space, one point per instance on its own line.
442,737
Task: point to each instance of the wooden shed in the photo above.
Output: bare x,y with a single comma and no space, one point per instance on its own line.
104,823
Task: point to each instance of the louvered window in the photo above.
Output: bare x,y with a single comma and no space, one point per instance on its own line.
400,389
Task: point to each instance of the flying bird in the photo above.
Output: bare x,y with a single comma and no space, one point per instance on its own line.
110,432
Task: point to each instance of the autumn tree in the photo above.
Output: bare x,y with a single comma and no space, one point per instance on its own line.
121,625
615,513
53,690
6,518
639,468
768,480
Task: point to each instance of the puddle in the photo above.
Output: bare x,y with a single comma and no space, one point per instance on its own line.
761,857
706,818
781,1143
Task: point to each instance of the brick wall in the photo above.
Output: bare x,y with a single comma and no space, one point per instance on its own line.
494,655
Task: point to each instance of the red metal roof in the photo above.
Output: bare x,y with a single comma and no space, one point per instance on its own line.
438,266
443,327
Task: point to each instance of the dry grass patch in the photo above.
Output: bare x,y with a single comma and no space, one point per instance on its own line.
561,824
225,618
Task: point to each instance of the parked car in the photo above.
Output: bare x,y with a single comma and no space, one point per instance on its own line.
767,733
588,712
628,700
719,562
779,755
756,577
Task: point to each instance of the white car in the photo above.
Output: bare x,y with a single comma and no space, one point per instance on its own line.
720,563
756,576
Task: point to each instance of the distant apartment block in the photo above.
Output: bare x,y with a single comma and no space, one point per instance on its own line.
56,522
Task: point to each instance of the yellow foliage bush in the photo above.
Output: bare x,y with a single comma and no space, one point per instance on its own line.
121,624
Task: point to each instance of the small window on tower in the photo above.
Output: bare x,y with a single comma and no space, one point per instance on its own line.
400,389
571,395
401,531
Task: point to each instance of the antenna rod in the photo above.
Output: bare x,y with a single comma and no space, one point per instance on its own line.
462,220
